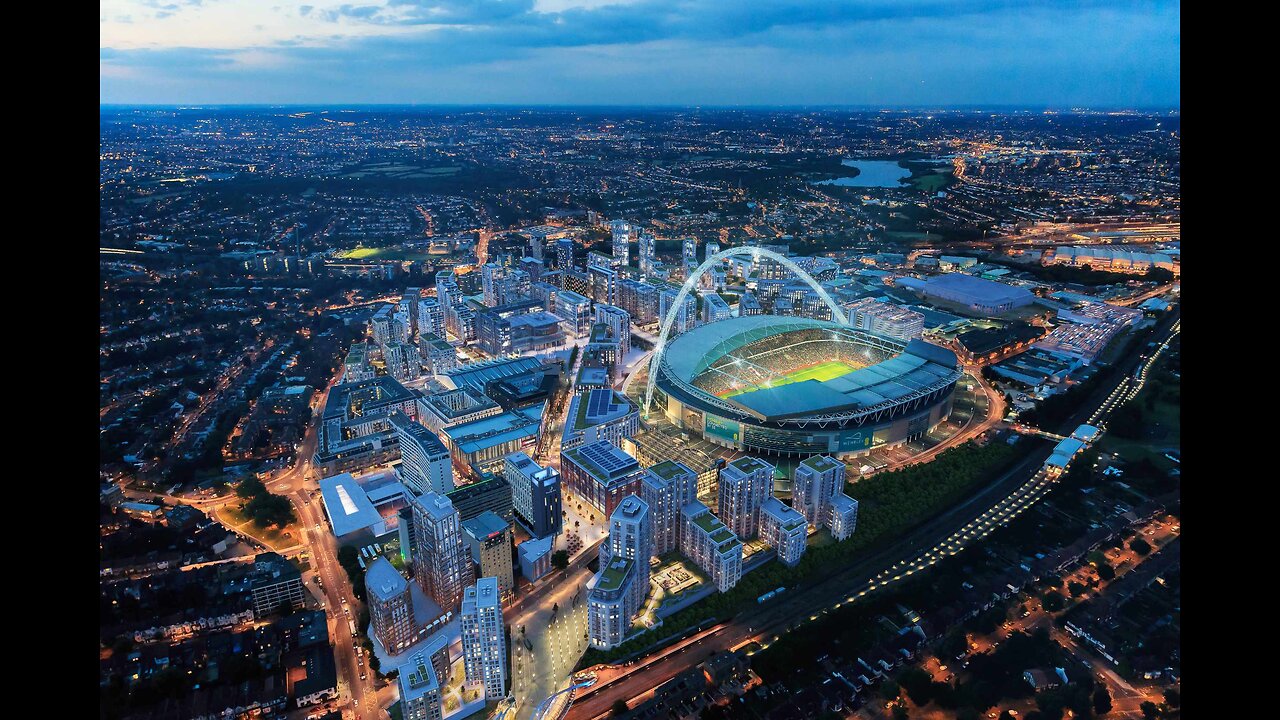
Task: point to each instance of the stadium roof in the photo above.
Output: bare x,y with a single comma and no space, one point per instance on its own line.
919,367
694,351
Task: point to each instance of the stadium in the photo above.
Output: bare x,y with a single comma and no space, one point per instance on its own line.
789,386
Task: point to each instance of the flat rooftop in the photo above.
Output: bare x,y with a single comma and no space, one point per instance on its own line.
347,505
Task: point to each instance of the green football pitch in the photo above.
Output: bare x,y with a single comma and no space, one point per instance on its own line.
820,372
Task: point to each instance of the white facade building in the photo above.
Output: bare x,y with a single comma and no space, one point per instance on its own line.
484,648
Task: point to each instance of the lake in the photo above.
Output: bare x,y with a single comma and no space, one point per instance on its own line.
871,173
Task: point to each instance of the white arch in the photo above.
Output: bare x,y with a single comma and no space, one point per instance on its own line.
755,252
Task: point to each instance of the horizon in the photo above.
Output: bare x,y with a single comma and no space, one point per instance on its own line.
967,109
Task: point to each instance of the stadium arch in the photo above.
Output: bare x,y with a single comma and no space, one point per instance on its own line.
755,252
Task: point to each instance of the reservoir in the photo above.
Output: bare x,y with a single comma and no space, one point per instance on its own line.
871,173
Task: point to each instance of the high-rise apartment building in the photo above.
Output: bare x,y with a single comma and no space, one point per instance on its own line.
484,647
535,492
425,464
744,485
442,560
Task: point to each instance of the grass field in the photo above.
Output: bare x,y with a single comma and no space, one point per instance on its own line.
360,253
821,372
387,253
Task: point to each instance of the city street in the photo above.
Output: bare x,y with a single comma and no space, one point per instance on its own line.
558,640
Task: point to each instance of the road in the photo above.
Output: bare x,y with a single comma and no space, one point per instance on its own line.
558,639
301,485
945,534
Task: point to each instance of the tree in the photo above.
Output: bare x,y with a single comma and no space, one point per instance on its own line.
900,712
250,487
1173,697
953,645
1076,589
1101,700
918,684
560,559
1053,601
1106,572
890,690
1139,546
618,708
1149,710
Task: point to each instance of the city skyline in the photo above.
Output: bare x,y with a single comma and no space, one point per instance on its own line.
775,54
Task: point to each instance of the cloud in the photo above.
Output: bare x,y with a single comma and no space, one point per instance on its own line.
690,52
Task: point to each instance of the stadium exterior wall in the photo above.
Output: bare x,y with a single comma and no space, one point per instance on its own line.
765,438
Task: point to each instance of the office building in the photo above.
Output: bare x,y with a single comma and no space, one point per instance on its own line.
484,646
390,606
442,563
535,494
425,464
710,545
491,493
784,529
574,311
489,537
517,328
744,485
535,557
438,411
601,474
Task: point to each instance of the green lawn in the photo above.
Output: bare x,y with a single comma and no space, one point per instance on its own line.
360,253
932,182
274,537
821,372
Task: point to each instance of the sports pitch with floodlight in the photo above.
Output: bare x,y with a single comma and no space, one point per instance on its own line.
821,372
